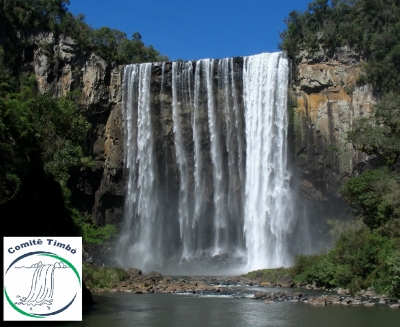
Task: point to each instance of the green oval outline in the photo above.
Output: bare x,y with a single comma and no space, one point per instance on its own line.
18,309
39,316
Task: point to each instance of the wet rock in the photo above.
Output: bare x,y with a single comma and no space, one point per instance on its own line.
369,304
332,299
155,276
347,300
133,272
319,301
286,281
260,295
140,291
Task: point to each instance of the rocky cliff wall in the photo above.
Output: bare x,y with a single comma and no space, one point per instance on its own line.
60,68
324,101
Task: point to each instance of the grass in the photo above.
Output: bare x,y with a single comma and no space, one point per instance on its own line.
102,277
270,275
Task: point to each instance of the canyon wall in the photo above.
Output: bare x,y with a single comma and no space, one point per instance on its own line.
324,101
60,68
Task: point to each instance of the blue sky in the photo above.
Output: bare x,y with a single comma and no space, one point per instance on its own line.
188,30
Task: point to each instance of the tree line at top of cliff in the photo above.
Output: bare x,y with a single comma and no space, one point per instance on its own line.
20,18
369,27
41,137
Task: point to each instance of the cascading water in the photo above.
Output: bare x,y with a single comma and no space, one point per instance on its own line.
206,162
141,200
268,201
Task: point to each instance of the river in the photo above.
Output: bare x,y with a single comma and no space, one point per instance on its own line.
170,310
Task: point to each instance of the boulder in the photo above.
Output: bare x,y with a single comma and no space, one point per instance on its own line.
319,301
369,304
332,299
260,295
133,272
286,281
154,276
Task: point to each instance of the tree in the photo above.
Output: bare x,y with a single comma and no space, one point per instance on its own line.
380,134
375,194
375,197
369,27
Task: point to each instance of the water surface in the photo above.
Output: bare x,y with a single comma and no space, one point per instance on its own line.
167,310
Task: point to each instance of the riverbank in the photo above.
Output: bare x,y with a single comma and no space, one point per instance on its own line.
285,290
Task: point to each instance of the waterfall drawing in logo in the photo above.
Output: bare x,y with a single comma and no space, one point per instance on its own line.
41,284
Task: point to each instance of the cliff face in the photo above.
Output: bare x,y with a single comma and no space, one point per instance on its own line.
325,100
60,67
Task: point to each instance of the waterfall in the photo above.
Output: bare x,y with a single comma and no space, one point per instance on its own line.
180,85
208,184
268,200
141,203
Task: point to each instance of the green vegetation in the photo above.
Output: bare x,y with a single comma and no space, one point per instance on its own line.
367,251
20,19
42,138
358,260
370,27
270,275
102,277
379,135
338,227
375,196
90,232
41,141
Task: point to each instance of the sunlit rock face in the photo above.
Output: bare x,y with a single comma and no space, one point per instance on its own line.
208,184
325,100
